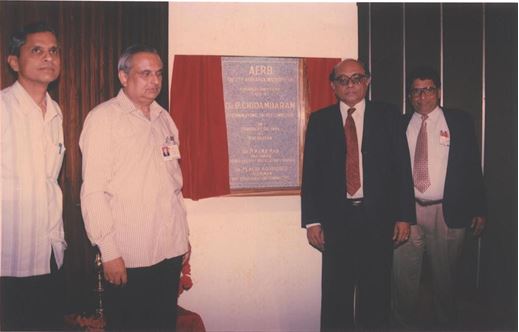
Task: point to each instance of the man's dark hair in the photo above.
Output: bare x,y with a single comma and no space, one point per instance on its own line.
423,73
126,57
332,77
20,37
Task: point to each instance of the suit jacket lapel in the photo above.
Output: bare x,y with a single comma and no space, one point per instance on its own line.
369,123
337,129
407,119
453,132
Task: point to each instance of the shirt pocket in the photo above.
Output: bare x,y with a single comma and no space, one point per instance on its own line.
57,160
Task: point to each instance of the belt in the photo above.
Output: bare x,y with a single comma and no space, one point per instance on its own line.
356,202
426,202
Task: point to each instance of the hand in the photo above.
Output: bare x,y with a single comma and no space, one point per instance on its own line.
401,233
478,225
315,237
115,271
187,255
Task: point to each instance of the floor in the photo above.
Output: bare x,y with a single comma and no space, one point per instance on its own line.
476,312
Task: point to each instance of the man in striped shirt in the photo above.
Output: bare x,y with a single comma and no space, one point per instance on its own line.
131,197
31,282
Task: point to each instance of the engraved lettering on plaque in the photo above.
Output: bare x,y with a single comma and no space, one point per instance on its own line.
262,113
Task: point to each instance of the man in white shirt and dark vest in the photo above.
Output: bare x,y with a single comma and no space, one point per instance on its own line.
449,193
131,197
33,242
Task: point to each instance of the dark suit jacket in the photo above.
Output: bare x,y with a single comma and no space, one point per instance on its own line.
387,179
463,196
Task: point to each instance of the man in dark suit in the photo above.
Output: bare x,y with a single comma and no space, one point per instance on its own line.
449,198
356,199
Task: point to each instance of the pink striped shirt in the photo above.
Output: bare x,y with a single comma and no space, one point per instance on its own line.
131,196
32,153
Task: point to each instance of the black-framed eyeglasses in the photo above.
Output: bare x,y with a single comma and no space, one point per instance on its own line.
355,79
428,91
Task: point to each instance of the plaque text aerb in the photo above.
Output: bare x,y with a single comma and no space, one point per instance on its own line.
263,114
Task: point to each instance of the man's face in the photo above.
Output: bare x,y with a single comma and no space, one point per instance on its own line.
39,60
351,83
143,81
424,96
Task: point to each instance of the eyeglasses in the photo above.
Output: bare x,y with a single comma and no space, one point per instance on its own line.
428,91
355,79
147,74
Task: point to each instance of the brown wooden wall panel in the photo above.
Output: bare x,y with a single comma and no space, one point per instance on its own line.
147,23
463,59
387,53
499,246
467,66
364,12
463,89
92,36
423,37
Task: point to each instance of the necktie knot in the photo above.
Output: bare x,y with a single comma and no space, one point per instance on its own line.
350,111
424,117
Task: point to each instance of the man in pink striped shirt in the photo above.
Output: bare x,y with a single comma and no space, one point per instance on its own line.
32,150
131,197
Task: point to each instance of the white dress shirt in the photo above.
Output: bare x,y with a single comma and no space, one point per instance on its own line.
438,145
131,196
32,203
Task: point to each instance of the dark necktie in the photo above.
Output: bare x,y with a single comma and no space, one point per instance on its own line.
352,155
421,159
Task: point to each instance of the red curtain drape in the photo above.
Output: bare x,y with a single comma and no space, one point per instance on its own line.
319,92
197,107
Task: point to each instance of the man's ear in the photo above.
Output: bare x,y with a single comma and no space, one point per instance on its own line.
12,60
332,84
123,78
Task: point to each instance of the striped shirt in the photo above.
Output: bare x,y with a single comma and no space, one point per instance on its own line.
131,196
32,203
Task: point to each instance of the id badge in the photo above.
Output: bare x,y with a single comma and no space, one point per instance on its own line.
169,149
445,138
166,152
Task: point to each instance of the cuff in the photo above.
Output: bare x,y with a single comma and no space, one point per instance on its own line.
108,250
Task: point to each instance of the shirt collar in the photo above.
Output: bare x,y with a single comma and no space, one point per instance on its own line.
52,109
129,106
26,99
433,116
360,107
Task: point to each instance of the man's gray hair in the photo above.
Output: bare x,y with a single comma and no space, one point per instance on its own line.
125,59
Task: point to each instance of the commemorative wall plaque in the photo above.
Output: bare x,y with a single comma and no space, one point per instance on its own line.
262,110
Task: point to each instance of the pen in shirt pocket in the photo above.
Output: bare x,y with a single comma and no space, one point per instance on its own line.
60,147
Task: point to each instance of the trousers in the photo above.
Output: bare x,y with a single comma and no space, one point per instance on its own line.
442,245
357,256
149,299
33,303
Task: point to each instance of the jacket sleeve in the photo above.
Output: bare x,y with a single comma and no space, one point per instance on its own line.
310,212
476,183
406,204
